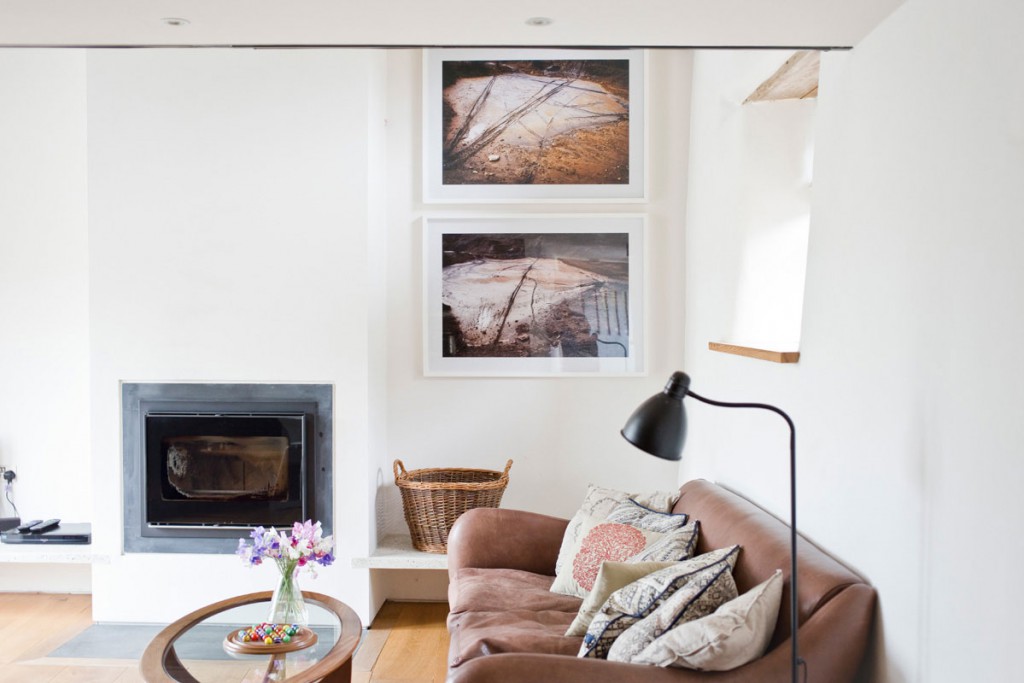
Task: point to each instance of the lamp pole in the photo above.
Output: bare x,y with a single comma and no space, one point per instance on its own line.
658,427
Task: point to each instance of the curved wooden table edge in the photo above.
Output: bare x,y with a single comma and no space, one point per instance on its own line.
161,649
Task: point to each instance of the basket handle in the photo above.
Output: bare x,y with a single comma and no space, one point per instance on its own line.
508,466
398,465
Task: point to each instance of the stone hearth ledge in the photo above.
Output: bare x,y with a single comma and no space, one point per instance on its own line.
396,552
55,554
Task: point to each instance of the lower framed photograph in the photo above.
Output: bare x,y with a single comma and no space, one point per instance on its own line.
534,296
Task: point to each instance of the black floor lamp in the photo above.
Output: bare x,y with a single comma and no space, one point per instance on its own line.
658,427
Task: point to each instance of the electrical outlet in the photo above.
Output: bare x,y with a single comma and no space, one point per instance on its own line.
8,474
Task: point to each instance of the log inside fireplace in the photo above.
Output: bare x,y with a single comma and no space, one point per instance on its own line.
228,468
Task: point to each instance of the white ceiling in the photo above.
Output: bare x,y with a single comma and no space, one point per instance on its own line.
682,23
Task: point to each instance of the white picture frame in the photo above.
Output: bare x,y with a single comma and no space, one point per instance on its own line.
534,296
534,125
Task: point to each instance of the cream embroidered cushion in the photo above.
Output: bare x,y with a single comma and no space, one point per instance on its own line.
602,541
737,633
611,577
599,502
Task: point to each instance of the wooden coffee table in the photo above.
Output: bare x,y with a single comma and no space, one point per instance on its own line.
326,662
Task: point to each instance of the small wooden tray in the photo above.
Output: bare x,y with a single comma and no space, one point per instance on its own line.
302,639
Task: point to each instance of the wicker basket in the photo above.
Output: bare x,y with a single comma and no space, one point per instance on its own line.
434,498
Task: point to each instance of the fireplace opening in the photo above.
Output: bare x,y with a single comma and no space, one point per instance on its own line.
225,470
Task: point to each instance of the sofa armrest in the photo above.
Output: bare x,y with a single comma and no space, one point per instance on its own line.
505,539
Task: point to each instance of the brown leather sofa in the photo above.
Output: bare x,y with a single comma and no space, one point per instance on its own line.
506,626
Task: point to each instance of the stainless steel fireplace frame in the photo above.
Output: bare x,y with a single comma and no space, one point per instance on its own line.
314,401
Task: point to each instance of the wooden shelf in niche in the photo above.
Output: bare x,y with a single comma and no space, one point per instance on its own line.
760,354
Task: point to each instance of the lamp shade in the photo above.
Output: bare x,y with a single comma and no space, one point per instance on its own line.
658,426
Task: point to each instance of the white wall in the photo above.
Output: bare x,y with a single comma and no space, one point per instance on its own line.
44,296
229,219
910,379
252,218
562,432
750,180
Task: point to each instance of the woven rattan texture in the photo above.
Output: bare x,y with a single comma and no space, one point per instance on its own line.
434,498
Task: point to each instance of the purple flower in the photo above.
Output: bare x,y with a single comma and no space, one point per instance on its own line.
304,547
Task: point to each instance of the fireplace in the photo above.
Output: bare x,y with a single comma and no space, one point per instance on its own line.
204,463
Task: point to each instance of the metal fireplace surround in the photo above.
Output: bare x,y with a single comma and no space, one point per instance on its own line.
203,463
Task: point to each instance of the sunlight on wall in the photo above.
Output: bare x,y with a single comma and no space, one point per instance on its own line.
776,157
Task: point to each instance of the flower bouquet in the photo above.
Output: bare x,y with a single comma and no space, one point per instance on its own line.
304,548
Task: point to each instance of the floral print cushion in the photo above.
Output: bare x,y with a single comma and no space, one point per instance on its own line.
600,502
602,540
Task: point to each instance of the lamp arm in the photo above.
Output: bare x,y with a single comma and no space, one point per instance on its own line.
796,661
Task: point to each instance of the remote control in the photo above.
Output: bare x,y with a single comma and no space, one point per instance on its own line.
44,526
23,528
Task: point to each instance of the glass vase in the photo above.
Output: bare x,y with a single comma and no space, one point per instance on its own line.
287,605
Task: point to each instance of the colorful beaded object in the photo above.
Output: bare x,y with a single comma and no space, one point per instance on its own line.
269,634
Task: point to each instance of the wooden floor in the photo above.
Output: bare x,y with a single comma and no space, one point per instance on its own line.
407,643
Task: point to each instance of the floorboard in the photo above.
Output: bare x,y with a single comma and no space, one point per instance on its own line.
406,643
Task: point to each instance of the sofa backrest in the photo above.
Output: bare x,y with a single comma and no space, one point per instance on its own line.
728,519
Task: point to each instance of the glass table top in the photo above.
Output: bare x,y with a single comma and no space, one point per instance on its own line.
192,649
201,647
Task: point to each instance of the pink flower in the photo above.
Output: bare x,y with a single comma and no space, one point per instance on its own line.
305,546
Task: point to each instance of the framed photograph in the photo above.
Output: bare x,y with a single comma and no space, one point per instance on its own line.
518,125
523,296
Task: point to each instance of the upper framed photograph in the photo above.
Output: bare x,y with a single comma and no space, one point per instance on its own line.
520,296
533,125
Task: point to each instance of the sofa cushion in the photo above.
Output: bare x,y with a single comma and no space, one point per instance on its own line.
632,603
475,634
699,597
738,632
495,590
599,502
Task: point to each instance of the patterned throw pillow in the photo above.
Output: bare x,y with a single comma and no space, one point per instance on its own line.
599,502
629,605
737,633
643,517
674,546
603,541
701,596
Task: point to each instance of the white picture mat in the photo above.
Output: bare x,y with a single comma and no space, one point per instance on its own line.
434,191
435,364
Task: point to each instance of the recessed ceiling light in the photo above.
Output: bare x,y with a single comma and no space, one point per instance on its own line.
174,21
539,21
